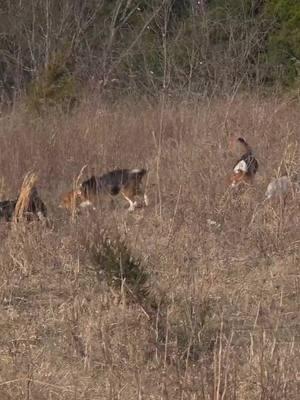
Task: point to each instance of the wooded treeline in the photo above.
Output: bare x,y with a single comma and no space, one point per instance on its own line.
51,48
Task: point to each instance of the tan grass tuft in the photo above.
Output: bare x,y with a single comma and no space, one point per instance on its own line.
28,184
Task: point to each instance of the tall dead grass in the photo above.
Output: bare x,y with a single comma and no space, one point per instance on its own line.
24,197
219,319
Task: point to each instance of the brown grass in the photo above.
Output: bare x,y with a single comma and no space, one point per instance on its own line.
24,197
217,314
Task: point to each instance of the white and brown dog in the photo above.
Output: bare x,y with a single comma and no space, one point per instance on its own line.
245,168
128,182
282,186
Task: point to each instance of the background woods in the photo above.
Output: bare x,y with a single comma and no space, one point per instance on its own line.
142,47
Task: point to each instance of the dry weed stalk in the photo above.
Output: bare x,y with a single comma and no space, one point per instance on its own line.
79,176
2,186
288,163
24,198
75,190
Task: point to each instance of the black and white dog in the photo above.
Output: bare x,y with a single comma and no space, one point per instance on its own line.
246,167
36,207
128,182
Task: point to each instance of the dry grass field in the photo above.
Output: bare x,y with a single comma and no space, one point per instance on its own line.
194,297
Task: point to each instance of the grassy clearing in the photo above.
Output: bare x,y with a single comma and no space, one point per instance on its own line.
156,304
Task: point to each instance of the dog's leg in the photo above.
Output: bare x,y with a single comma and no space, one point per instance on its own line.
40,216
87,204
132,204
129,196
146,200
129,192
138,190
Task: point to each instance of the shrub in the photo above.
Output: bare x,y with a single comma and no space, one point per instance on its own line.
284,42
112,261
54,87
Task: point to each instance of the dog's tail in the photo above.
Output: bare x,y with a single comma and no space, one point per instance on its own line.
140,172
245,144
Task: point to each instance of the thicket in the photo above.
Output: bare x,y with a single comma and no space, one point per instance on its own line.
52,48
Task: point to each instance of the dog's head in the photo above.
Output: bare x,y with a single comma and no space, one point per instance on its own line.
71,200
